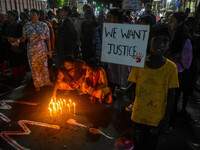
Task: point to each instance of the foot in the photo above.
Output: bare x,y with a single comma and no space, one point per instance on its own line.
129,108
37,89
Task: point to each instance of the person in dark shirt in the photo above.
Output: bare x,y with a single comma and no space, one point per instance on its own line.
88,28
67,35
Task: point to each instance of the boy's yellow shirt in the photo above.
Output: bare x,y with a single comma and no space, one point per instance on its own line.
151,92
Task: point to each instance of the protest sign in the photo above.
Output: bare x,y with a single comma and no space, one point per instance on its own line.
124,44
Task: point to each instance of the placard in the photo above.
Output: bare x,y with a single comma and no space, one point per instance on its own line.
124,44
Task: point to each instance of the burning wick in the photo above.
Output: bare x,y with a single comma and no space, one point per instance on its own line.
74,107
70,102
69,107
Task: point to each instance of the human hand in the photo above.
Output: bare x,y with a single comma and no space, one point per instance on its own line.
49,54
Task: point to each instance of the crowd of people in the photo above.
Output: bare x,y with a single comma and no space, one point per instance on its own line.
171,66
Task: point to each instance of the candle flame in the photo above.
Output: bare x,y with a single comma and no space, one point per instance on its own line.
56,106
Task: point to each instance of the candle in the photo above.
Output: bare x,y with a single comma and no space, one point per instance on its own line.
60,110
74,107
51,115
69,107
65,103
57,105
53,106
54,109
70,102
50,103
62,104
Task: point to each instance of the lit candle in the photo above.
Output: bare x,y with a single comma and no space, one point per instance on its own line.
57,105
54,110
62,104
65,103
60,110
70,102
74,107
53,105
69,107
51,115
50,103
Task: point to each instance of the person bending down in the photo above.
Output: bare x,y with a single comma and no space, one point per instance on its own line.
67,76
96,84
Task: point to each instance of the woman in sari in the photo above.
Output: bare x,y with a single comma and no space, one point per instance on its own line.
37,32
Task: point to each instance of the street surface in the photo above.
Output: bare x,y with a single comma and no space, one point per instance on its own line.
107,118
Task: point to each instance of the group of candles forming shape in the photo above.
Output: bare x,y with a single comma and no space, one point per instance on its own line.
56,106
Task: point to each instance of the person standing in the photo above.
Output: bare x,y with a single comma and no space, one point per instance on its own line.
16,54
37,32
155,88
181,53
67,35
3,45
88,28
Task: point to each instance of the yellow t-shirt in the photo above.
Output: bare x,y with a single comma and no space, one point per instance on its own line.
151,92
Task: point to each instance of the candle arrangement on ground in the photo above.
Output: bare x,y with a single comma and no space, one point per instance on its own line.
57,107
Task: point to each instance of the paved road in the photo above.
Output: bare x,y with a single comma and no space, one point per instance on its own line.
70,137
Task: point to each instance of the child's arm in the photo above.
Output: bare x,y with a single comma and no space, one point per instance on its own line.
163,125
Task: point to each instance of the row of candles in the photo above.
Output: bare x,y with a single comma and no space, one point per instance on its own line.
56,106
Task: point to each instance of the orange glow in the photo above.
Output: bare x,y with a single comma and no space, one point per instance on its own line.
74,107
70,102
61,110
65,103
69,107
56,106
51,115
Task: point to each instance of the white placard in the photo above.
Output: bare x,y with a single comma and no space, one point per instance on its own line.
131,4
124,44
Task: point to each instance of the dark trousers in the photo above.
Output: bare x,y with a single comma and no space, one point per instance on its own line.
145,137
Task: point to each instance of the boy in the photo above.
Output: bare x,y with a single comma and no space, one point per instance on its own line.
155,85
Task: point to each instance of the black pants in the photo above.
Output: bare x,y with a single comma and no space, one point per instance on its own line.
145,137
